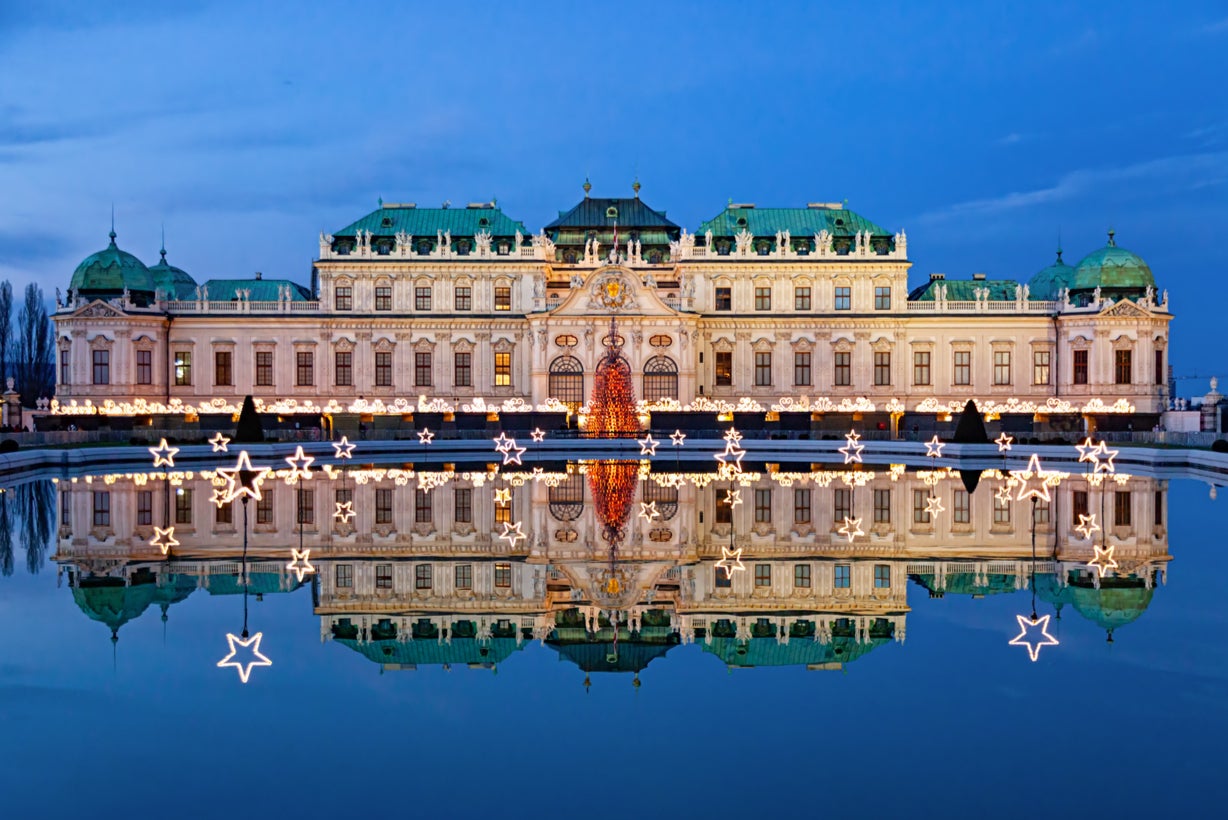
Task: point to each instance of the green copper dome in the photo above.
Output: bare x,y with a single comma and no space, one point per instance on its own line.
173,281
1047,284
111,271
1112,269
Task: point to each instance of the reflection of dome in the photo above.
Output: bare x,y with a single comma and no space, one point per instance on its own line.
1046,284
1112,269
110,271
112,602
1117,602
173,281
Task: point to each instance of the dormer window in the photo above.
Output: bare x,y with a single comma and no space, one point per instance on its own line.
763,247
504,249
483,222
386,222
741,222
569,257
654,257
723,247
424,247
611,212
462,247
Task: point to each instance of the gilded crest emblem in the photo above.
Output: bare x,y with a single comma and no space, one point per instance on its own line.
612,292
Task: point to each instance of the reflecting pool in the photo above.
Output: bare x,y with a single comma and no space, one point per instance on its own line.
612,637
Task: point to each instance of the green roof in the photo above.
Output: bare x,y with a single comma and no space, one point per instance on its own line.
173,281
111,270
112,602
797,652
1046,284
432,652
799,222
965,583
263,290
593,212
258,583
606,656
1118,600
1112,268
961,290
389,220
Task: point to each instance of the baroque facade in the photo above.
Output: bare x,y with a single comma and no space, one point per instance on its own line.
760,308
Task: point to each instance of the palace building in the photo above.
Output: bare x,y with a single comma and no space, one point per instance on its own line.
758,309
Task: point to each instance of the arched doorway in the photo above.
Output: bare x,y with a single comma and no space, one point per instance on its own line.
660,378
566,382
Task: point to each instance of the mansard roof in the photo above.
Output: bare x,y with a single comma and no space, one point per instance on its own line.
963,290
390,219
262,290
632,214
836,220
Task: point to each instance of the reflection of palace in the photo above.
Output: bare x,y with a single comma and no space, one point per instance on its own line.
421,575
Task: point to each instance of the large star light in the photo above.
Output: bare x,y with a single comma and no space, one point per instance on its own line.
164,454
933,505
1024,477
300,465
732,451
731,561
1088,451
503,443
648,445
300,563
851,449
1034,624
513,453
243,480
252,647
343,448
1103,560
851,528
164,539
1105,456
1087,525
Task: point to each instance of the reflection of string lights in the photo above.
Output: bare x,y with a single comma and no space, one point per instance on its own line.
343,448
300,465
512,533
677,438
164,454
1024,477
851,449
648,510
164,539
300,563
1026,624
851,528
933,447
538,435
426,436
648,445
1103,559
732,451
1087,525
731,561
219,497
732,436
219,442
345,511
1004,442
252,644
243,480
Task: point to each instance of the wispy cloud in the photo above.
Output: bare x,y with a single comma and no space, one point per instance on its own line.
1214,27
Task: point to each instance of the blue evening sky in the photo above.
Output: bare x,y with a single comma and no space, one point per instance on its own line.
981,131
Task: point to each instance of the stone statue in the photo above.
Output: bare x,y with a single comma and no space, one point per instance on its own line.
588,338
784,243
688,287
447,240
1096,296
744,239
1165,298
482,241
404,242
326,244
822,242
58,301
708,240
901,244
1151,293
577,281
438,241
9,384
650,280
127,294
519,242
675,250
539,287
1018,293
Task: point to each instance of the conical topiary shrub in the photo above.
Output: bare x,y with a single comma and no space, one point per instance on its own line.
971,427
250,430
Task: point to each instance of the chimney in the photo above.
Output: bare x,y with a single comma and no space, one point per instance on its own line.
937,277
259,276
978,277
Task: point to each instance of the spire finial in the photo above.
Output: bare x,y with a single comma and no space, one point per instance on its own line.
635,186
1112,241
588,186
112,234
1059,245
163,249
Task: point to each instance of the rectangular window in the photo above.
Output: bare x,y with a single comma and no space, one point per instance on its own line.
422,298
1041,513
1078,505
464,576
224,514
462,505
183,506
383,506
882,298
345,576
1121,509
801,505
842,374
724,368
344,367
721,579
503,297
882,369
724,512
1157,509
383,369
503,576
422,369
1001,367
842,503
222,372
144,508
961,507
305,368
503,369
801,576
763,298
503,512
341,497
464,298
763,505
462,370
264,508
843,576
306,504
1080,367
1123,366
144,367
920,501
264,368
724,299
801,369
882,506
882,576
763,575
383,298
102,509
102,367
422,506
921,367
801,298
844,298
1001,510
1160,367
962,360
183,368
66,369
763,369
383,576
344,298
422,576
1040,367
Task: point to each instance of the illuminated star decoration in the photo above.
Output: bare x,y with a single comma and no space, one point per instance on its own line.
933,505
1034,623
732,451
1088,451
648,510
851,528
733,497
513,453
677,438
1004,442
252,644
538,435
1004,492
503,495
300,564
648,445
512,533
219,442
425,436
1024,477
219,497
344,448
164,539
1087,525
1103,560
345,511
164,454
852,450
1105,457
933,447
731,561
732,436
503,443
243,480
300,465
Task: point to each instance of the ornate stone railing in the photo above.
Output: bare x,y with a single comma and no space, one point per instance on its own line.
983,306
240,306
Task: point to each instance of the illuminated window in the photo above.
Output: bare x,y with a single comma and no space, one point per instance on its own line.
462,369
183,367
962,360
724,512
724,368
383,369
144,366
503,297
503,369
801,368
503,576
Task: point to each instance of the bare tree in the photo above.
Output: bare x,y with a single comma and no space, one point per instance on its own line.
34,368
6,327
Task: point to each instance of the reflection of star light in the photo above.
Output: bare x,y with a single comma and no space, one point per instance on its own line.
1004,493
243,479
164,539
852,450
1087,525
731,561
344,448
503,443
851,528
1103,560
733,497
538,435
1004,442
933,447
345,511
732,436
219,442
300,465
1034,623
503,495
512,454
933,505
300,563
648,510
1106,456
425,436
732,451
512,533
677,438
164,454
1087,451
252,644
1024,478
648,445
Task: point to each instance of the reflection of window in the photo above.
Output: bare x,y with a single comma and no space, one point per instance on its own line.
724,512
842,503
383,576
724,298
383,506
882,576
1078,505
801,576
422,576
183,367
183,506
144,508
724,368
763,575
920,503
842,577
264,508
1121,509
1001,511
961,507
801,505
463,505
306,507
102,509
721,579
464,576
882,506
503,576
422,507
224,514
345,576
763,505
1041,513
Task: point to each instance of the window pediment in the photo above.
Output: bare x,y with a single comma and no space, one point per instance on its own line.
722,345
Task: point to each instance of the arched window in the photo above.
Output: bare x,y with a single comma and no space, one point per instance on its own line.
566,381
660,378
567,499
